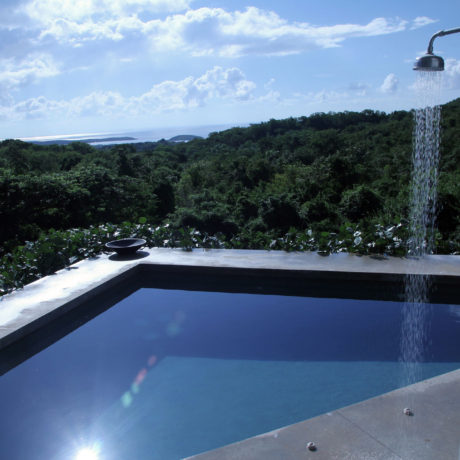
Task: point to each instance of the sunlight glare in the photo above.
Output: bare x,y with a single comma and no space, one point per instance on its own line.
87,453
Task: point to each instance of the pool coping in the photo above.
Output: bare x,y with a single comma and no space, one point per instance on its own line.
354,430
28,309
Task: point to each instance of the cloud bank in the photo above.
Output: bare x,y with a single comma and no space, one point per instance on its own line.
216,84
203,31
111,40
47,11
14,73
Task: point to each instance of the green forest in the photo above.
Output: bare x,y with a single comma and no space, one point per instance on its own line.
327,182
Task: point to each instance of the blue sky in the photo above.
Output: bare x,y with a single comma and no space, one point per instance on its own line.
103,66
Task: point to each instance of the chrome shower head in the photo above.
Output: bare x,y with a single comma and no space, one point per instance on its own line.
430,62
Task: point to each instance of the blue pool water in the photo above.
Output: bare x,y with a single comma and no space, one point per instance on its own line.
166,374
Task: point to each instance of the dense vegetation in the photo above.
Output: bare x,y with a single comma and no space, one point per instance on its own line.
336,181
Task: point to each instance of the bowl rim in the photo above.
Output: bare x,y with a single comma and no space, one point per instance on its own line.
114,244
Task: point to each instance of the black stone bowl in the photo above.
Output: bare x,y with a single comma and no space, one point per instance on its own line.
126,246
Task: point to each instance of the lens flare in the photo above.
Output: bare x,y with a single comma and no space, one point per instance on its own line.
87,453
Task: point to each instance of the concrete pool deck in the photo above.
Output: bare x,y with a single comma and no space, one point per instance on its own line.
368,430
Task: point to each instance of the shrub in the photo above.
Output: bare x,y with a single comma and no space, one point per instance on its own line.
57,249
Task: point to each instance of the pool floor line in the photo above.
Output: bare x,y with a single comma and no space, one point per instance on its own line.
374,429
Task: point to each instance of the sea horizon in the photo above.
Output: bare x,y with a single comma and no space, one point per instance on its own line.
147,135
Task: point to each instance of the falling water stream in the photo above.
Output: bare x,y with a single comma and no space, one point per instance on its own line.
425,158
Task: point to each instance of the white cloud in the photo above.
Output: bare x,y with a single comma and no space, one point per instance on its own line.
84,20
203,31
38,107
47,11
359,88
218,83
254,31
390,84
271,96
452,74
421,21
33,67
327,95
190,92
64,30
100,103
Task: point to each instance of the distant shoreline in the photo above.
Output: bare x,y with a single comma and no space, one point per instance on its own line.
86,141
114,140
151,135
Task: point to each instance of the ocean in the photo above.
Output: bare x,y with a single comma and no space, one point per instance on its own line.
152,135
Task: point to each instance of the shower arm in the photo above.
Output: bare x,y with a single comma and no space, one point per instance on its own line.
441,33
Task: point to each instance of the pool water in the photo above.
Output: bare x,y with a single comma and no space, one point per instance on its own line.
166,374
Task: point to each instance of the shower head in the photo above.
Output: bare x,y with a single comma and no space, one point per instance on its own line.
429,61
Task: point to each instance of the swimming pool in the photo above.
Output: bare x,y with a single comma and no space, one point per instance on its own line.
181,366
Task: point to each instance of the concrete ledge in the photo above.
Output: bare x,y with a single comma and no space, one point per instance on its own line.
30,308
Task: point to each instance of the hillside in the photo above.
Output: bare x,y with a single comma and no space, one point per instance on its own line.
317,172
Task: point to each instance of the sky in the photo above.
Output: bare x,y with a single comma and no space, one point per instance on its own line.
108,66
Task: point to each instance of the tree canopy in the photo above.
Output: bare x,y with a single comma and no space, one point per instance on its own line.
307,173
